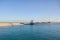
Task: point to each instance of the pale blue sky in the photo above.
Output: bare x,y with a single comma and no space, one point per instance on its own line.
43,10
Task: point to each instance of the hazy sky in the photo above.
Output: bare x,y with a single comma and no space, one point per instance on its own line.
42,10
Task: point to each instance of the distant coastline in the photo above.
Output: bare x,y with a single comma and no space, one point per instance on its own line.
3,24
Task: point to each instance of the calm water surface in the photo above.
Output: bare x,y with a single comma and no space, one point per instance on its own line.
31,32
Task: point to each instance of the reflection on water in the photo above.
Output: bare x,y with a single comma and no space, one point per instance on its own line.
31,32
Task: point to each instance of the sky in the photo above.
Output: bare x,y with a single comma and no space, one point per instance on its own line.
26,10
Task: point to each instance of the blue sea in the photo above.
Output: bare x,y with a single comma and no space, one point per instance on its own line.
31,32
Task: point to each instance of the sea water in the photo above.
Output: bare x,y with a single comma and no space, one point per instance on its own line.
31,32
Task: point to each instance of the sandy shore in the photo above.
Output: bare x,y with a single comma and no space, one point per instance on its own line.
9,24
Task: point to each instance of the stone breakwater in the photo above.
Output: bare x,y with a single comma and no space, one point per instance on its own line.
9,24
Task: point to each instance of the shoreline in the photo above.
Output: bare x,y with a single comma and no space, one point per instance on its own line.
19,24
